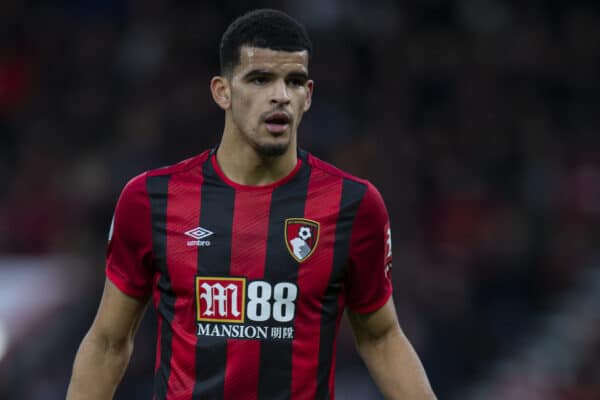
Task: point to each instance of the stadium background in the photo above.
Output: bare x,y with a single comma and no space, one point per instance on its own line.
477,119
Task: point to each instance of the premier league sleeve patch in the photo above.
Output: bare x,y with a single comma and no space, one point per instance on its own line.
301,237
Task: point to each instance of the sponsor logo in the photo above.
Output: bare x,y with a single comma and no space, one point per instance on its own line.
301,237
245,331
220,299
388,252
199,234
388,242
388,271
235,308
112,229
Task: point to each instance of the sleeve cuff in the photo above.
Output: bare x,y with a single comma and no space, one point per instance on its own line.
371,307
124,287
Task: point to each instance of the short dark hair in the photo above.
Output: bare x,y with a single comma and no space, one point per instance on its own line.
263,28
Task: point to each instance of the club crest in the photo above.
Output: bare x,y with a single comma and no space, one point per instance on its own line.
301,237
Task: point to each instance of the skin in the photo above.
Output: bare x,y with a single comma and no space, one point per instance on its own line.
388,355
251,153
264,81
106,349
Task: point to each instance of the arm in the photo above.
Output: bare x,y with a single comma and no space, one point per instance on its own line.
105,350
389,356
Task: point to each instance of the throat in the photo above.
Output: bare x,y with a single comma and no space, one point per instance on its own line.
255,171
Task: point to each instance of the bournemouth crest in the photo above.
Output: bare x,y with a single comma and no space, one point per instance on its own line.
301,237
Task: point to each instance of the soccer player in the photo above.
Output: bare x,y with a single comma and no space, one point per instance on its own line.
250,252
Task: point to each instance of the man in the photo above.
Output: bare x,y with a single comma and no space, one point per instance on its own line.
250,252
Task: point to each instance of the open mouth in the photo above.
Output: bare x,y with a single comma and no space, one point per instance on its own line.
277,122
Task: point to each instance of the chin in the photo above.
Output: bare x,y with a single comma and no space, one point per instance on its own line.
272,149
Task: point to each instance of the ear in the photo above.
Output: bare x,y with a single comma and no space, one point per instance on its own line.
221,91
309,87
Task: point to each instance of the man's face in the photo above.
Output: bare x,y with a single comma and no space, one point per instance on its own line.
270,91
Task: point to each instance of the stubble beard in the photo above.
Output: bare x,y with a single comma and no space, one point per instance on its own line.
268,149
271,150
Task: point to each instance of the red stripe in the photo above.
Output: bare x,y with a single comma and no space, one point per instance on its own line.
183,214
322,205
248,248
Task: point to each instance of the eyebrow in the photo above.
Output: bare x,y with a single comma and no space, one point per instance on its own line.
298,74
265,72
261,72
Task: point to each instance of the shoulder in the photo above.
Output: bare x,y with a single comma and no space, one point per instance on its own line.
181,167
330,169
362,189
138,185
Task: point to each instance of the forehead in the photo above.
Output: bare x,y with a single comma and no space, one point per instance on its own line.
260,58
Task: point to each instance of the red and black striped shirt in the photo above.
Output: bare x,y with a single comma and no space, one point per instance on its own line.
250,282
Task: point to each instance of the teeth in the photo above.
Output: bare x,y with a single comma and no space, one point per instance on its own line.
277,120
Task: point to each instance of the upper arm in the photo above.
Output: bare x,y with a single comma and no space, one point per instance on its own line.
368,284
129,264
129,267
374,325
389,356
118,316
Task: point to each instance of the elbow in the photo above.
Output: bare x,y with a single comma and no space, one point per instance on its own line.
110,345
368,340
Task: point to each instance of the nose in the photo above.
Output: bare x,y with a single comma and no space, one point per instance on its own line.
280,93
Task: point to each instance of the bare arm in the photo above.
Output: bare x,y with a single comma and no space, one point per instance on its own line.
105,350
389,356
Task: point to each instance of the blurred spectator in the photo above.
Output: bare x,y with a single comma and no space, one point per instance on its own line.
477,119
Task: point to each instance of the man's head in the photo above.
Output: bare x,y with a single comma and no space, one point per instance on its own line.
264,86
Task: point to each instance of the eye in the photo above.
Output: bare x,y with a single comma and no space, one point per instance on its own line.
259,80
296,82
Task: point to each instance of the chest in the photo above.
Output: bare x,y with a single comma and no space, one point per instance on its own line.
282,239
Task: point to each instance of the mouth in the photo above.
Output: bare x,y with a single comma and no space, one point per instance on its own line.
277,122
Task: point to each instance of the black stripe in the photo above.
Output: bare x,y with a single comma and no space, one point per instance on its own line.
216,215
303,155
288,201
158,187
352,194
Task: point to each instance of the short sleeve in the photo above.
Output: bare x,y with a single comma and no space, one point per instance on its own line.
368,282
129,254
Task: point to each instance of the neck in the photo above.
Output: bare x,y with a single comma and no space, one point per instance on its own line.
241,163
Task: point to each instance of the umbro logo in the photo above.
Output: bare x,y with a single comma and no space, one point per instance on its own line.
199,234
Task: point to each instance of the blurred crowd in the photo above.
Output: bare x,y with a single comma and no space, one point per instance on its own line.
478,120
